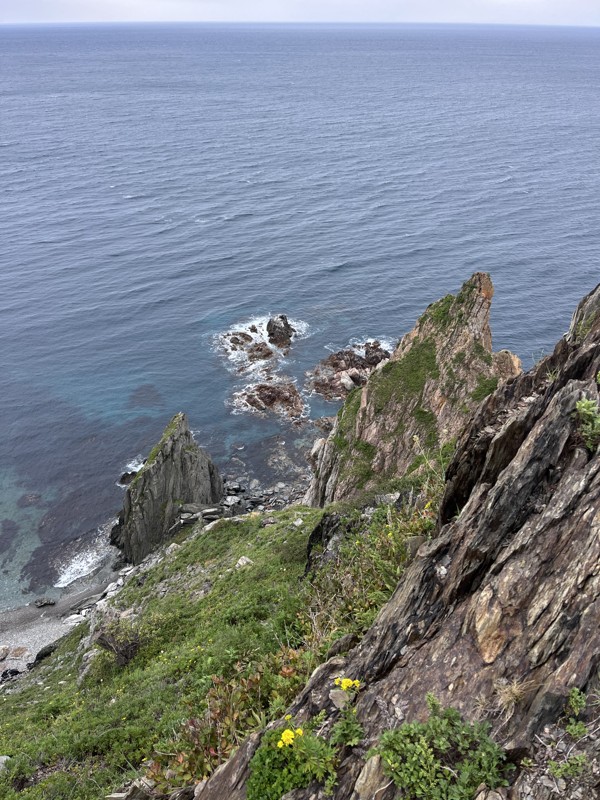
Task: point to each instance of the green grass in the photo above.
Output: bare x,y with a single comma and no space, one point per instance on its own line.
407,375
70,741
482,354
485,387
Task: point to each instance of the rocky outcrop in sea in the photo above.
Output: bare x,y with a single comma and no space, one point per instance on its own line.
176,473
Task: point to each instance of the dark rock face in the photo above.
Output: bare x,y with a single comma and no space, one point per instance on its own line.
176,472
280,331
509,590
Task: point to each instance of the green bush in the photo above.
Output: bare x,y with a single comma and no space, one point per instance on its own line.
588,417
289,759
444,758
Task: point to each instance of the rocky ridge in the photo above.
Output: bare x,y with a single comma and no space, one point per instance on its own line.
507,593
435,378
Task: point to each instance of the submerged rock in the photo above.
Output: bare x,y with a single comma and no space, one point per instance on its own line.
176,472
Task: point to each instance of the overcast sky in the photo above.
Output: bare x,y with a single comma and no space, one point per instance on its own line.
545,12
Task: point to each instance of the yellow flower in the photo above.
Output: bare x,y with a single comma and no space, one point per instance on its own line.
280,743
287,737
299,732
346,684
288,716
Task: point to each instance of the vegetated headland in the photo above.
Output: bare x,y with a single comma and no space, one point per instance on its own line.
423,625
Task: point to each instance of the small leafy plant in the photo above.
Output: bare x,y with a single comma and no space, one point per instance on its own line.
588,417
444,758
347,731
571,768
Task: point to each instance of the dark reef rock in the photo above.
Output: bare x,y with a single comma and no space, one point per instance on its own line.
176,472
335,376
280,331
283,398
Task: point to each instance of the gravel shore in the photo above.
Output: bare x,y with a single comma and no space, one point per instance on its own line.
26,630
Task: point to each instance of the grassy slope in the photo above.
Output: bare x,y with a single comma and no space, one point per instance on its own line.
223,651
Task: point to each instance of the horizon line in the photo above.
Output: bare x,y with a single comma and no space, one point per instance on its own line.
292,23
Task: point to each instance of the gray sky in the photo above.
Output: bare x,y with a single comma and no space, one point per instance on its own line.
545,12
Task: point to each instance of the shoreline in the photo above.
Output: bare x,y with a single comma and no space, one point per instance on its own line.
26,630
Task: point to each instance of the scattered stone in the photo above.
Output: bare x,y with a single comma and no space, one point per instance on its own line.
4,762
40,602
298,523
4,651
244,561
127,477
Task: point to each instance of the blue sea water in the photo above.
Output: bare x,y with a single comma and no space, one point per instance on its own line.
162,184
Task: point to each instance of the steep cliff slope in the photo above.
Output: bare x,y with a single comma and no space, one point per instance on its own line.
436,376
176,472
507,594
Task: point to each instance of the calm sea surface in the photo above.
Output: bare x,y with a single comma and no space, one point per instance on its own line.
161,185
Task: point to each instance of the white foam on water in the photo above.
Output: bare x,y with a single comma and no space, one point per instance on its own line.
136,463
357,343
256,328
86,560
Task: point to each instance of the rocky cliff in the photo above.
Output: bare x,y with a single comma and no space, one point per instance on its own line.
176,472
498,614
435,378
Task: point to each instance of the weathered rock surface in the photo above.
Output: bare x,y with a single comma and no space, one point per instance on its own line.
335,376
280,331
176,472
282,398
508,592
435,378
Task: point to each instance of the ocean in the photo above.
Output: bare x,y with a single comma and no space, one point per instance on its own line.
164,184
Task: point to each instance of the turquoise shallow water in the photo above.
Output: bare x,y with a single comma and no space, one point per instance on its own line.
163,184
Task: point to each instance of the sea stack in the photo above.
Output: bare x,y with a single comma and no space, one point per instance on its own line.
176,472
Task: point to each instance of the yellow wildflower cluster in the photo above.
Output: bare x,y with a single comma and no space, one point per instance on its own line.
288,736
347,684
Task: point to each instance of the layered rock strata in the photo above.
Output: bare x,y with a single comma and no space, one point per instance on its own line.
177,472
506,594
